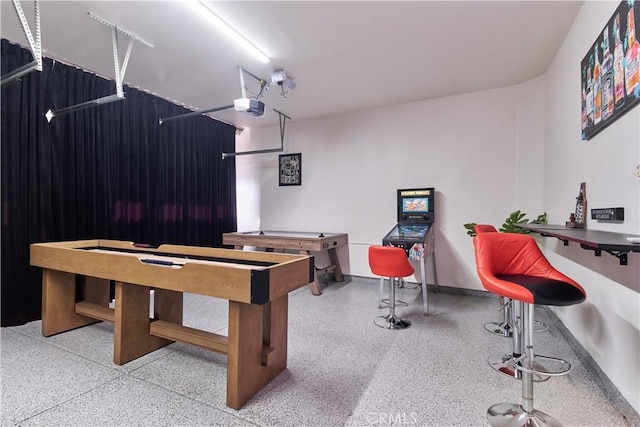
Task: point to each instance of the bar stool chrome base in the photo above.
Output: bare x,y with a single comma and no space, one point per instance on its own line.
506,365
500,329
391,321
514,415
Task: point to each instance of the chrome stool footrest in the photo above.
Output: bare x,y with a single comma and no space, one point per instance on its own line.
544,365
504,329
514,415
391,322
539,326
385,303
507,365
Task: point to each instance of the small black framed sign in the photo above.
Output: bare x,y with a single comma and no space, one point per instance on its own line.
290,169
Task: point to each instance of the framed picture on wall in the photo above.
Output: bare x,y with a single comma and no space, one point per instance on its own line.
610,71
290,169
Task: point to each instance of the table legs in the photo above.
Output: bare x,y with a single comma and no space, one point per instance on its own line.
333,257
62,312
256,346
252,327
59,299
315,285
335,267
132,337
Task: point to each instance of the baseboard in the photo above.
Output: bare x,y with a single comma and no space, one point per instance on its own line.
612,392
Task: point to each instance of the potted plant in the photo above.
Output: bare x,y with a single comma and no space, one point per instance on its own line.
511,223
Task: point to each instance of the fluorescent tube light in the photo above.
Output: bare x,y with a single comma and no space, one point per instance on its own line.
232,33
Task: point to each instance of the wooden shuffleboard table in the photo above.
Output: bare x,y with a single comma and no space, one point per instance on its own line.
76,281
303,242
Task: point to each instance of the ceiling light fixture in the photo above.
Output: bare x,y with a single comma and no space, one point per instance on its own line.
232,33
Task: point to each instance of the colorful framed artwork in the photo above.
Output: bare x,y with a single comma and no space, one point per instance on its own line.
290,169
610,71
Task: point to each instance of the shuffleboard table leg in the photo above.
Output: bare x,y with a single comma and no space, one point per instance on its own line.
168,305
315,285
96,291
58,303
131,337
251,327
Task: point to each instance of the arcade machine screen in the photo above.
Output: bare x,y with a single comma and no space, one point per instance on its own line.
416,206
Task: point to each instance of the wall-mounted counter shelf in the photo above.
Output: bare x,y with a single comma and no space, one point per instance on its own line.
615,244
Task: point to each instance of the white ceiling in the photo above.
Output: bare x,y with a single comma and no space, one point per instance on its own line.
343,56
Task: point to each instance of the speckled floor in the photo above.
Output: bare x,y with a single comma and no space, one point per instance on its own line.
342,370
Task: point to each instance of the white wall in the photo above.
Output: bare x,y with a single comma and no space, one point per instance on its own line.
247,185
486,153
466,146
608,323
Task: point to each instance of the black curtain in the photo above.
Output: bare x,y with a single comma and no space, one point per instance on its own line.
110,171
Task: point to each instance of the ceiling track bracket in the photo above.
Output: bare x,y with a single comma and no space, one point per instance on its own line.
119,71
120,30
243,87
194,113
35,44
283,121
243,90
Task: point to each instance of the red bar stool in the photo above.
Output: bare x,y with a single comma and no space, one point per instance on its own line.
511,314
513,266
391,262
502,362
502,328
485,228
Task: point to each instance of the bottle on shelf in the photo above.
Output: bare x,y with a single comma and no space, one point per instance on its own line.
584,101
581,207
597,87
618,65
589,97
632,71
607,76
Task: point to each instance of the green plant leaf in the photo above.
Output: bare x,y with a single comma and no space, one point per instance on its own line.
471,228
540,219
511,223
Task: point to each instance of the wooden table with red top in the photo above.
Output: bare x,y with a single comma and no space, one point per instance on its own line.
301,241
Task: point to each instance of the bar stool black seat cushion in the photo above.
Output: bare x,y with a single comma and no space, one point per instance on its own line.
513,266
546,291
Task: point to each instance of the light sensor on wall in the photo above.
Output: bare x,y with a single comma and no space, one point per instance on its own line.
202,9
